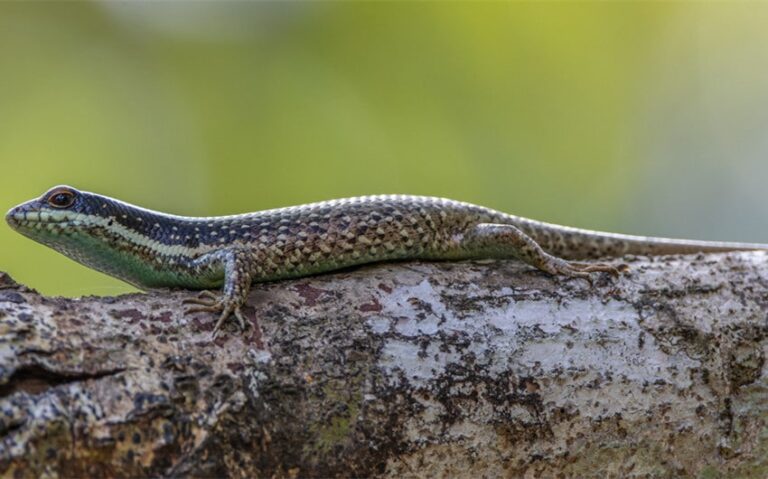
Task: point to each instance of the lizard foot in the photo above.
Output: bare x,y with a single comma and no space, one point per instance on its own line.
613,270
209,302
577,269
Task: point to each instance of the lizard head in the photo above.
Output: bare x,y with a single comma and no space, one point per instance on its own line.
59,213
92,229
68,220
47,216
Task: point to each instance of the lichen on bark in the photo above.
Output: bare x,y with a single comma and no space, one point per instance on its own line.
468,369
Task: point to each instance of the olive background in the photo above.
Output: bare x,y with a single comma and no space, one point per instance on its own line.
645,118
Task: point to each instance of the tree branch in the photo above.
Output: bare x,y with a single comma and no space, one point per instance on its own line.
427,369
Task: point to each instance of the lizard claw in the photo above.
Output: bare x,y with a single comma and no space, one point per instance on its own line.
226,312
209,302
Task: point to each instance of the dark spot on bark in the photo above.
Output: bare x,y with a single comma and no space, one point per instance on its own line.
310,294
235,367
746,362
136,438
144,403
202,323
726,416
422,306
373,306
133,315
168,434
705,376
12,297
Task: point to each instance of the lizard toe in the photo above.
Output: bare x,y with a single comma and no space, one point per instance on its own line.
206,308
241,319
205,298
228,309
602,268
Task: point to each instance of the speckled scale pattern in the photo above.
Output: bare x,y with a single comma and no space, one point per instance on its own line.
331,235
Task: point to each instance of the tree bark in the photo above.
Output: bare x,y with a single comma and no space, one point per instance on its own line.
470,369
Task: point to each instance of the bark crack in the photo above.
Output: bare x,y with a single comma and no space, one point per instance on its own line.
37,379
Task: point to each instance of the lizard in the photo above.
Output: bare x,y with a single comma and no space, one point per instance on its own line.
153,250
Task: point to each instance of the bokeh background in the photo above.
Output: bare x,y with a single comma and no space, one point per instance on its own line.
646,118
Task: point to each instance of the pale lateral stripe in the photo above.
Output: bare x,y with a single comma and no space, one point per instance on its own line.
133,236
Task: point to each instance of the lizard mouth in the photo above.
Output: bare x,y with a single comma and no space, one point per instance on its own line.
19,218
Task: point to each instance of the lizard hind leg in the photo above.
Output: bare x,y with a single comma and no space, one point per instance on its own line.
490,240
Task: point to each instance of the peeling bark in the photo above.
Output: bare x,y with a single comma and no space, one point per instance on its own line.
471,369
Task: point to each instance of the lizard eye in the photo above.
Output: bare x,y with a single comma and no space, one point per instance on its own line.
61,199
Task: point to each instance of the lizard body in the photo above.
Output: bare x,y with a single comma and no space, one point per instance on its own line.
150,249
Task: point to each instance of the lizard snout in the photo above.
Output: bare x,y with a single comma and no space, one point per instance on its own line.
11,216
17,215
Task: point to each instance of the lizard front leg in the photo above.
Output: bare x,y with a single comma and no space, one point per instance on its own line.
506,241
235,262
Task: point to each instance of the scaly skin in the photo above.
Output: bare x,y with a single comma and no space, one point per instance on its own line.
150,249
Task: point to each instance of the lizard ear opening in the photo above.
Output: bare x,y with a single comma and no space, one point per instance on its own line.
61,198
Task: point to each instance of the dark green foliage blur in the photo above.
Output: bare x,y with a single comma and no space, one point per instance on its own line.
566,112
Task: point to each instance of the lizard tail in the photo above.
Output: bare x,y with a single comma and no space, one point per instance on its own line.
576,243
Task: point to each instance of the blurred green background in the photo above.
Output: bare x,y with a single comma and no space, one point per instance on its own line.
646,118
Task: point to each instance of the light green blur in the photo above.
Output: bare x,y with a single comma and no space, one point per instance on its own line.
575,113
